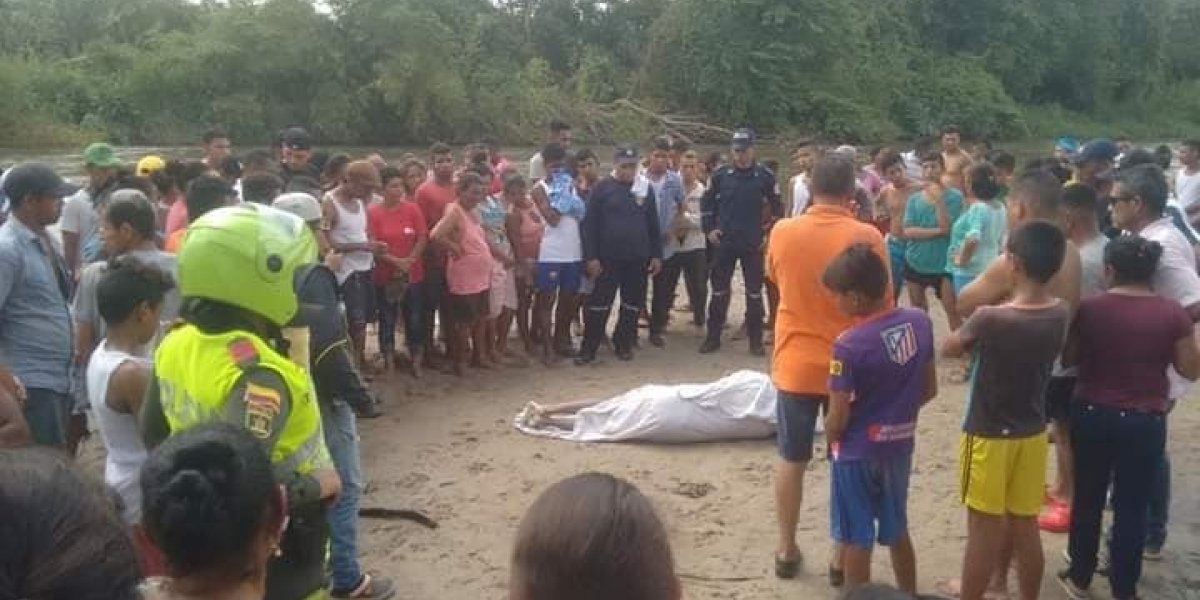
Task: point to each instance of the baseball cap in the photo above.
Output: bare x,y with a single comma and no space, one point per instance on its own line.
101,155
1102,149
625,155
743,138
35,179
149,164
297,138
300,204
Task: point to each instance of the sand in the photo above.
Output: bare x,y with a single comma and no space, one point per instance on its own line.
446,447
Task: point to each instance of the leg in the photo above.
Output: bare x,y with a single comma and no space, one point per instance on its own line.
355,292
722,277
856,562
481,342
696,277
904,564
916,295
524,303
1159,507
1143,442
387,326
413,311
797,419
341,437
789,495
772,302
985,536
1027,550
543,304
568,307
599,306
633,283
949,304
663,296
1093,472
752,273
435,295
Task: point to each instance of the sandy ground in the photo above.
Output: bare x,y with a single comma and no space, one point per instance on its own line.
446,447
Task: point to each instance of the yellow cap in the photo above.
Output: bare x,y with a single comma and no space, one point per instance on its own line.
150,164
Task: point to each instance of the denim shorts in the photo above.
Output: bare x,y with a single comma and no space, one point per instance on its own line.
796,427
554,277
869,500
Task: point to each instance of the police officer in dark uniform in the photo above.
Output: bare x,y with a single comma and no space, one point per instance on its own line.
733,209
622,244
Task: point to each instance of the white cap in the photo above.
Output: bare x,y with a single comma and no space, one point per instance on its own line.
300,204
847,151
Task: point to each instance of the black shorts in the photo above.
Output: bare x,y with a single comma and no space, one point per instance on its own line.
358,294
468,308
926,280
796,424
1059,392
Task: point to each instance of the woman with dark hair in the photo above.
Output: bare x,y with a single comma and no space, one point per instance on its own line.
592,536
212,505
60,537
1124,342
334,171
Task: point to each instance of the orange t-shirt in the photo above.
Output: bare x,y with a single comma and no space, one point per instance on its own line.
809,320
175,240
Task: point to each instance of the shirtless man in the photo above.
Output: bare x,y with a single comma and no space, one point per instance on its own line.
957,160
1035,195
897,188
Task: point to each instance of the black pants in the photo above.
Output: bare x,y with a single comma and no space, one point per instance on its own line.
1126,448
693,265
411,308
725,258
628,276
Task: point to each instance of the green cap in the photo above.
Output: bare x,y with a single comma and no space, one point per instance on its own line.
101,155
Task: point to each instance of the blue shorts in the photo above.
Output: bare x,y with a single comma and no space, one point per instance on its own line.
866,493
896,249
796,424
961,281
554,277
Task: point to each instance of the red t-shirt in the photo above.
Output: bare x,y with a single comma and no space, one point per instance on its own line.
433,198
1126,343
401,228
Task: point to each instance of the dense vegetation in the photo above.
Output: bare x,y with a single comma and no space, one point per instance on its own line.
409,71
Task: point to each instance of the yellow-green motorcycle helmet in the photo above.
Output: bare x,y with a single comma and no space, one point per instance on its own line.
246,256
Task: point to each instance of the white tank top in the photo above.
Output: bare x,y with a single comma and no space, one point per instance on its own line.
122,440
561,243
351,228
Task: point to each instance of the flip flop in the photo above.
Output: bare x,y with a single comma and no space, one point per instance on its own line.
788,568
837,577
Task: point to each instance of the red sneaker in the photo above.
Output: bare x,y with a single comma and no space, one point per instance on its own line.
1056,520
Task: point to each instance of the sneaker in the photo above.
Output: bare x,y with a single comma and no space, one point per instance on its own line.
1057,519
756,349
710,346
1152,553
657,340
1073,591
585,357
625,354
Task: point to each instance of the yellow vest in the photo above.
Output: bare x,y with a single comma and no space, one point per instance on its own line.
196,371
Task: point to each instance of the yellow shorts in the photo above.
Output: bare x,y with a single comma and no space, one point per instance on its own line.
1003,476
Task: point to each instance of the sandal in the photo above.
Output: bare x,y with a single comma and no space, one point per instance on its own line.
837,577
788,568
369,588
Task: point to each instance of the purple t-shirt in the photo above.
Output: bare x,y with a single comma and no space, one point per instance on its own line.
882,362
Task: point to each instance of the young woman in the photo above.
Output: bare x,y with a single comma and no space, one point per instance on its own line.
214,508
1123,341
592,536
525,226
976,236
494,213
468,274
399,270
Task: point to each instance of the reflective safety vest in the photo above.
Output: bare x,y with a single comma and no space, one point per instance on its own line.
196,372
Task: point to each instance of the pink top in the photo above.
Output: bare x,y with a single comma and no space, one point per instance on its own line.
470,273
531,231
177,216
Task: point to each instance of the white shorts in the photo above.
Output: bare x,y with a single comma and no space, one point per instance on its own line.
503,293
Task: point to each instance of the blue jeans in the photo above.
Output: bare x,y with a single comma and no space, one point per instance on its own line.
48,413
411,308
1158,509
341,437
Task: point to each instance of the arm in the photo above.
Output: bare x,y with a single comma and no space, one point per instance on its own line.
959,343
931,381
1187,357
654,225
152,422
70,241
14,432
127,387
839,415
841,392
593,223
1070,353
329,219
774,199
446,235
991,287
881,251
542,202
330,213
85,313
966,251
936,197
708,207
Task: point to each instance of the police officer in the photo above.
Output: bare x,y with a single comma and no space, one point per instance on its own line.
733,207
228,361
622,244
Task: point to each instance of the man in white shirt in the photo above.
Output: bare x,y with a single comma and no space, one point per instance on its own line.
1187,180
1139,201
559,132
803,158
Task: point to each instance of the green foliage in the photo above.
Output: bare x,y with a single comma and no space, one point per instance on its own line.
414,71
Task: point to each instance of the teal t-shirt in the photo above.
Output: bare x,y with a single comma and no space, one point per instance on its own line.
929,256
984,222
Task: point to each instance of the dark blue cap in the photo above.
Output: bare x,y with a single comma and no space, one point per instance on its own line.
625,155
1101,149
35,179
743,138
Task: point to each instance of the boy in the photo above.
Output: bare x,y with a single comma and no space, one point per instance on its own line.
882,372
928,217
1003,448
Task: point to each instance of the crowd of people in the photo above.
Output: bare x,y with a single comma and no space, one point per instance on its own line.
213,319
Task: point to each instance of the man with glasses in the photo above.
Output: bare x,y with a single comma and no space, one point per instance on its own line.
1139,203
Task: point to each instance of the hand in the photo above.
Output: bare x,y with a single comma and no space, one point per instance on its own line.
379,247
333,260
455,251
958,259
655,267
12,384
714,236
594,268
401,264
